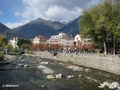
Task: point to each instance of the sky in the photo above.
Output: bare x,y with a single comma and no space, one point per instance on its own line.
14,13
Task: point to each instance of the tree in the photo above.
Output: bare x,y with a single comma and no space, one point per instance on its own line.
102,23
116,22
23,43
2,41
9,46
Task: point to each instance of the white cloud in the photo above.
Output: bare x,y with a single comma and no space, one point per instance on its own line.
17,14
16,24
56,10
1,13
62,14
27,14
60,10
93,2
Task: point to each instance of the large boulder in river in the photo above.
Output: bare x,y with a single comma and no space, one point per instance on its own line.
114,85
26,65
59,75
20,65
50,77
70,76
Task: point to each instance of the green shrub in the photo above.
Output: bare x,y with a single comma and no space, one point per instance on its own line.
1,55
69,62
29,52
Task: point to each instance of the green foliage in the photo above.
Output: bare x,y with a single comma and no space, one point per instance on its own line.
24,46
23,43
69,62
102,23
3,44
2,41
1,55
29,52
15,50
9,46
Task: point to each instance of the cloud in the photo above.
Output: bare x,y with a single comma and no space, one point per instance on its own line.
61,10
1,13
94,2
55,10
16,24
62,14
17,13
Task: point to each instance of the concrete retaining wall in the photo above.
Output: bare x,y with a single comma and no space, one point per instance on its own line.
106,63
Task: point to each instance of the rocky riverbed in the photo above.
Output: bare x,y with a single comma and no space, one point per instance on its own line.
25,72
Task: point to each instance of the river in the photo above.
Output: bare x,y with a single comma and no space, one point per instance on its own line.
16,76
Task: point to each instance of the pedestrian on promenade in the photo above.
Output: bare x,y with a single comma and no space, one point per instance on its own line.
119,54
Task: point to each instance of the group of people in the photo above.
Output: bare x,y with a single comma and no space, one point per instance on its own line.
75,50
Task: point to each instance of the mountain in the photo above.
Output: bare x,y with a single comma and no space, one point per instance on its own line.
7,32
56,25
39,27
3,27
47,28
71,28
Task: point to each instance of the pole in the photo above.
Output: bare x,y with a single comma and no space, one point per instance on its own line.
114,46
52,47
44,46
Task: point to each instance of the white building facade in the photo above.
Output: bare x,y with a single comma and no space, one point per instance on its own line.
13,42
39,40
78,39
61,39
82,42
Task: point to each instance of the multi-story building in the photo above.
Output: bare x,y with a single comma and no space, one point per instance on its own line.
78,39
61,39
39,40
13,42
82,42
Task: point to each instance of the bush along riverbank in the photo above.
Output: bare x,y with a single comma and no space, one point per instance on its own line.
1,55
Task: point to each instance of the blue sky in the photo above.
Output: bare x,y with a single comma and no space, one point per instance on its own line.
8,9
14,13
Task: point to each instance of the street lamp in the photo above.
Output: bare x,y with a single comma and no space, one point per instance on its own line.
114,46
52,47
44,46
6,50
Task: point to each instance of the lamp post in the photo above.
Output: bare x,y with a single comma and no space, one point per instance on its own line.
114,46
44,46
6,50
52,47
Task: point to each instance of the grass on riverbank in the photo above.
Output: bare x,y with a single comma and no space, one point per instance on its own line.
1,55
69,62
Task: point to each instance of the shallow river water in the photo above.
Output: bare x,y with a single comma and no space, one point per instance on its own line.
14,76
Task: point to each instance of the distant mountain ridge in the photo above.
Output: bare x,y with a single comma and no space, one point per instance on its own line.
71,28
5,31
38,27
43,27
3,27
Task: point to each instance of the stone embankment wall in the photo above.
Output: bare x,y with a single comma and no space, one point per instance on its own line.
107,63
